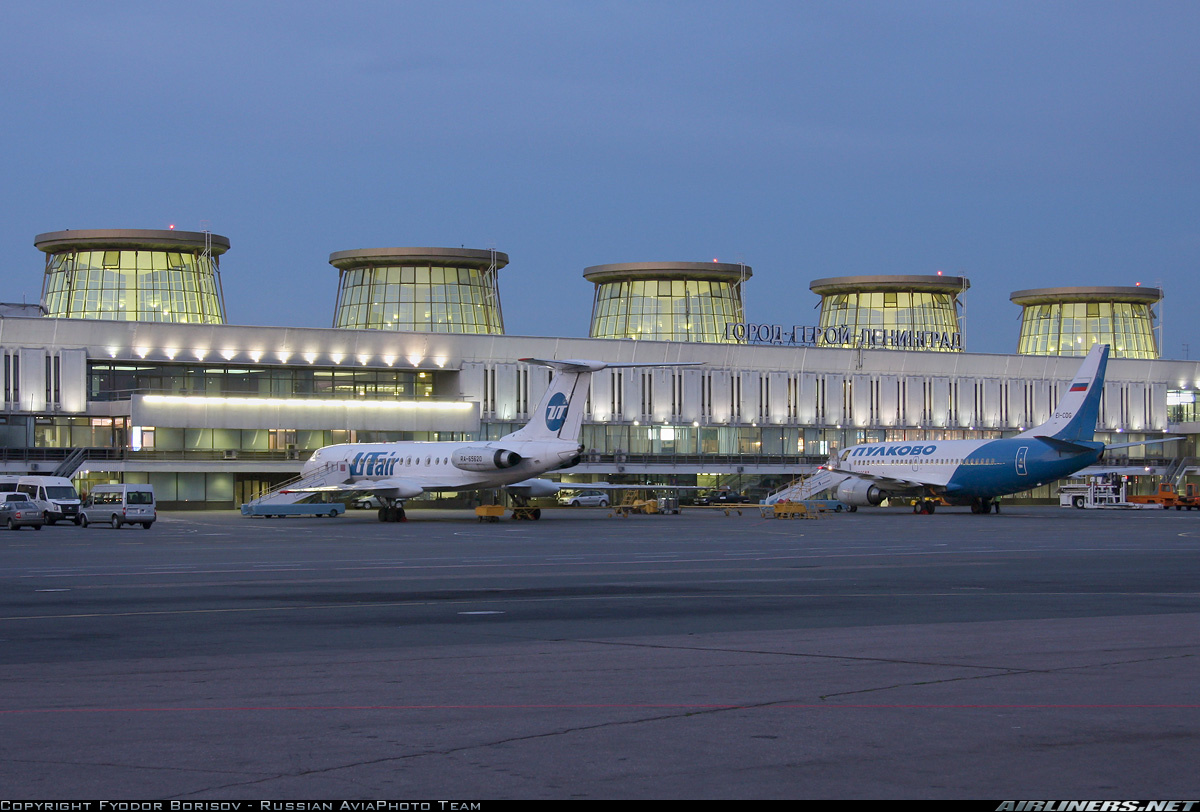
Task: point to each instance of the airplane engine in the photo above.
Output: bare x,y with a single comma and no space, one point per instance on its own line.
860,493
484,459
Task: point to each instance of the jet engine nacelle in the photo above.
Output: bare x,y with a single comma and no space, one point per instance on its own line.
484,459
860,493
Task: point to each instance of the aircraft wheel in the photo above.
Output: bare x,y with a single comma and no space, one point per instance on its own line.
918,507
932,506
853,508
400,515
537,513
383,514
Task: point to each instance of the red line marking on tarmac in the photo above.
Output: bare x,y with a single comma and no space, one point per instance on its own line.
585,706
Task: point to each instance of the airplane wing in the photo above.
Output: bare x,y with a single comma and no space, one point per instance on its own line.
895,483
396,488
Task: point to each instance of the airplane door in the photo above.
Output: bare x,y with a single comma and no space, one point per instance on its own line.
1021,469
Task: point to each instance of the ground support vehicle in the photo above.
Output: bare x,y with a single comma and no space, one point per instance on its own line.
489,513
1169,496
320,509
791,510
1098,494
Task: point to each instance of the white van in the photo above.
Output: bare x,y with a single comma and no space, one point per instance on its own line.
119,505
54,495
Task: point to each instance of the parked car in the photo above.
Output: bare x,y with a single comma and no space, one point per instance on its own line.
17,510
584,499
119,505
722,498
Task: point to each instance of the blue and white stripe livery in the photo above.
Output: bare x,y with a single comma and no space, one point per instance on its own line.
975,472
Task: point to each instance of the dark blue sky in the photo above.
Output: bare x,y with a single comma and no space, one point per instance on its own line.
1019,144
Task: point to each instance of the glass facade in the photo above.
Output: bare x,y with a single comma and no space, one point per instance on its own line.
665,309
391,294
125,282
910,311
1071,328
120,381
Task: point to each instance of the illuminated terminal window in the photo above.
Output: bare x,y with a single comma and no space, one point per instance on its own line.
666,301
1068,321
919,306
439,290
133,275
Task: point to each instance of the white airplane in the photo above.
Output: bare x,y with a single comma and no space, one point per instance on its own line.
393,472
976,472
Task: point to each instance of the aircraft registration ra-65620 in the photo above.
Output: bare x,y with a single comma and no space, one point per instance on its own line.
394,472
976,472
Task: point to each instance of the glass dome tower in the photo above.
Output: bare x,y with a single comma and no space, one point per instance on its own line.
1068,321
437,290
925,306
133,275
666,301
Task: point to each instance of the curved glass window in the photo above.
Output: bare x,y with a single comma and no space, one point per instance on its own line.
134,285
665,309
420,298
1071,328
914,312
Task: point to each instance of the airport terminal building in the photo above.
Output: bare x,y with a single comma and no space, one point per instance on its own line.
129,372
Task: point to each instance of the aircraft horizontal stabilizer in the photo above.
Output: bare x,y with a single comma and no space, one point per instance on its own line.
1065,446
1143,442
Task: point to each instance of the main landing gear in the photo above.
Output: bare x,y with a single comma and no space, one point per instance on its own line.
924,506
985,505
392,512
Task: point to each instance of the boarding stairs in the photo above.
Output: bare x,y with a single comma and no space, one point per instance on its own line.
331,474
1180,468
808,487
71,464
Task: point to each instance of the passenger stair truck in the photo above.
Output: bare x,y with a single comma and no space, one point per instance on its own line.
284,502
810,487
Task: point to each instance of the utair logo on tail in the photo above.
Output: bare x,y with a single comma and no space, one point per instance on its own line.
975,472
556,411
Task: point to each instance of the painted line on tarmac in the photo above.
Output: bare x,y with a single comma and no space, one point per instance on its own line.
612,706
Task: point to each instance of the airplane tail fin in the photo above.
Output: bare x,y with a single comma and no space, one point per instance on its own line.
1074,418
560,413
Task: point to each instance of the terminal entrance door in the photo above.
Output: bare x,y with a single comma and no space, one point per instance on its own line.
251,486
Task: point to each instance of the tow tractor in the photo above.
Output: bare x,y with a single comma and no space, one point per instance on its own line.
1169,497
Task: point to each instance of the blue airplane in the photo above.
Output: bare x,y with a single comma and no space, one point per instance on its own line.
976,472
